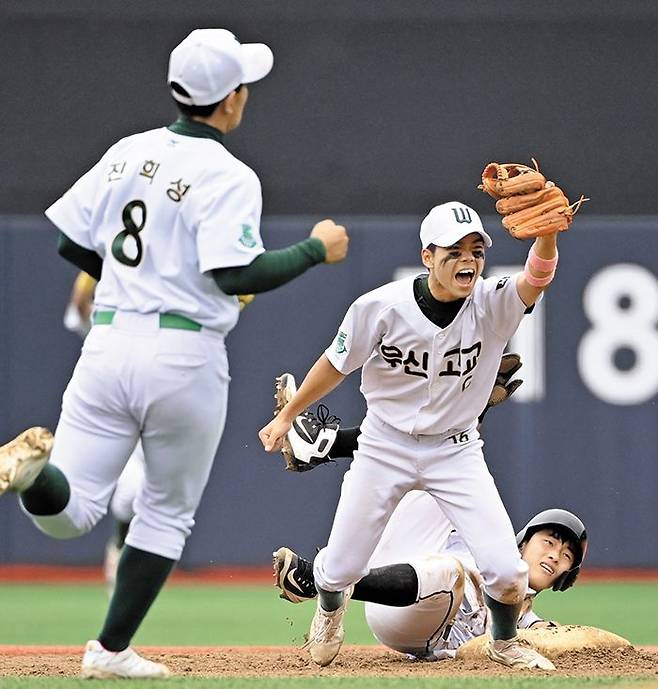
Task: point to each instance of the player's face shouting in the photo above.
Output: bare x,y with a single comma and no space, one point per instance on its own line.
454,270
548,557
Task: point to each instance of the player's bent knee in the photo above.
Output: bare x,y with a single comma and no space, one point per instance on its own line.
510,583
76,519
59,526
438,574
163,535
416,629
336,575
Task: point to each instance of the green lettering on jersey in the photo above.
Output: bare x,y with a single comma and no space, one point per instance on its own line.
340,342
247,238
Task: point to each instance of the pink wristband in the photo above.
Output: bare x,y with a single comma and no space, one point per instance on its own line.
537,282
545,265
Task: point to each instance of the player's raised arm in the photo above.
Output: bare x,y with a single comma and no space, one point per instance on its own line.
539,269
319,381
532,208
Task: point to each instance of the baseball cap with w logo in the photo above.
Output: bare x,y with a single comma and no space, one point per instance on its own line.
446,224
210,63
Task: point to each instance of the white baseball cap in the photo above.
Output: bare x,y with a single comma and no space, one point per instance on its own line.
446,224
210,63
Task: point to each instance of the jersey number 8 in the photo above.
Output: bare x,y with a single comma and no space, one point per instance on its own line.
130,229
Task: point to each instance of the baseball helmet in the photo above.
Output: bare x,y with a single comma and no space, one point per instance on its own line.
565,520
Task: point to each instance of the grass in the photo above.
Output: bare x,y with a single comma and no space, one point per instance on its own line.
204,615
253,615
628,609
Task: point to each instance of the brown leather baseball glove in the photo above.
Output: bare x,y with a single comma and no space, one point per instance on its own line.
530,206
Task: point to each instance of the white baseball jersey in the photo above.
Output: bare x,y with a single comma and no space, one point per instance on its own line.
161,209
420,378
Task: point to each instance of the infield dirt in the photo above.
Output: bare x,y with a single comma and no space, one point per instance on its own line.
353,661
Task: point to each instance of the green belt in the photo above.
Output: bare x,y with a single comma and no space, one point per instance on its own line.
167,320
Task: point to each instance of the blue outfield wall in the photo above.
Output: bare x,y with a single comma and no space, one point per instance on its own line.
582,433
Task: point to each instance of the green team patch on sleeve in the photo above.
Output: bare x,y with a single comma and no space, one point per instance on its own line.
247,237
340,342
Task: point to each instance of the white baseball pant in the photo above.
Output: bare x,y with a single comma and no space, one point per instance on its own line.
122,505
390,463
135,379
416,629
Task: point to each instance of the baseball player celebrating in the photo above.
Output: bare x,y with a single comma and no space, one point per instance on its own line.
424,593
169,222
318,438
429,348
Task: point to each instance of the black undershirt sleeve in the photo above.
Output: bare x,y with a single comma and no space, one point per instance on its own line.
271,269
347,440
85,259
394,585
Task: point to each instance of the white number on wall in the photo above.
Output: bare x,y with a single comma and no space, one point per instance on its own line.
621,303
617,356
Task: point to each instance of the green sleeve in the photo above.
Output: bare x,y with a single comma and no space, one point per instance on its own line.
271,269
85,259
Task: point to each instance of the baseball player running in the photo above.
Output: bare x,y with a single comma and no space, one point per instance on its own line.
424,593
77,319
429,349
169,222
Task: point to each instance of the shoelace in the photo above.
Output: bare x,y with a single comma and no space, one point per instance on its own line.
519,645
329,624
324,417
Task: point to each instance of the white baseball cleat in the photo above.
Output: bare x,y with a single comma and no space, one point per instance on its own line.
327,633
23,458
517,653
97,663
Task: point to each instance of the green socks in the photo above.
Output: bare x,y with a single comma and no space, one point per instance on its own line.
49,494
504,618
330,600
140,577
120,532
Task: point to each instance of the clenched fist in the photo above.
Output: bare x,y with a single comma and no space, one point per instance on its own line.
335,240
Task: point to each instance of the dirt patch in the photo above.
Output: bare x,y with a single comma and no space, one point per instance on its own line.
353,660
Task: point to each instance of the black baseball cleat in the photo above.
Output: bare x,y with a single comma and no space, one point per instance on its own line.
293,574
